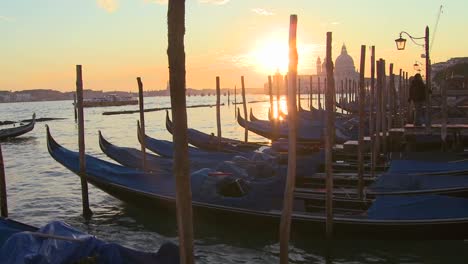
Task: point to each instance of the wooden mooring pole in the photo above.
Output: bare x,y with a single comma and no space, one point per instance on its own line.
235,101
270,92
384,112
3,190
372,115
328,140
362,97
310,93
87,213
319,92
176,57
285,224
142,120
244,103
218,110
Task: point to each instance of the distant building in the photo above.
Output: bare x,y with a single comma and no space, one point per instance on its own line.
344,70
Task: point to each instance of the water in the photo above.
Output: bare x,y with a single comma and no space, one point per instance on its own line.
41,190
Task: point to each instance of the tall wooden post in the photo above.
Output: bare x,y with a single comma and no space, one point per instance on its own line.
218,110
285,225
328,139
372,115
428,82
319,92
270,92
142,120
278,96
400,97
384,108
299,92
391,97
342,96
310,93
3,190
362,95
244,103
87,213
176,57
235,101
378,114
229,97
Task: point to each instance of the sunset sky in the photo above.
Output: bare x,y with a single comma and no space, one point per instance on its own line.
118,40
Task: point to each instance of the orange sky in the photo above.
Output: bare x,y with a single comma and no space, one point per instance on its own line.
116,41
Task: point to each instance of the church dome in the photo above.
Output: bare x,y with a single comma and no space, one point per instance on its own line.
344,61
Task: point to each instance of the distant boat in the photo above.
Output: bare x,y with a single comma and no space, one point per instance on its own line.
110,100
17,131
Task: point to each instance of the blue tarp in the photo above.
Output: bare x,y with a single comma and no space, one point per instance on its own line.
26,247
418,207
417,166
412,182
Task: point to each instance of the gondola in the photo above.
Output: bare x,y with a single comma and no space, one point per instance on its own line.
212,143
57,242
165,148
133,158
17,131
257,201
311,132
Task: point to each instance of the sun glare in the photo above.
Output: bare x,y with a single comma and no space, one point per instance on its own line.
271,55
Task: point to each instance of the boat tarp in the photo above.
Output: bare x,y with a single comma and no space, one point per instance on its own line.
413,182
418,207
40,247
418,166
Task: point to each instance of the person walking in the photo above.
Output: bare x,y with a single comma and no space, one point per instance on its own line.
417,94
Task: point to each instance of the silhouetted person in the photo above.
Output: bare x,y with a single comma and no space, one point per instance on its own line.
417,94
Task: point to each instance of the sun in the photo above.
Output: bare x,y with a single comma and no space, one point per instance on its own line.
271,55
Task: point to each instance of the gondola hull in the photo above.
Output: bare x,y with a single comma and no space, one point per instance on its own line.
17,131
153,190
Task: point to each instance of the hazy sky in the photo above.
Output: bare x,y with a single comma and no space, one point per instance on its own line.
118,40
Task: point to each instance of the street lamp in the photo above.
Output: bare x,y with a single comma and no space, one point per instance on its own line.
401,43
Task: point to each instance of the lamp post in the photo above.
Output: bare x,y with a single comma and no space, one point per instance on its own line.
401,43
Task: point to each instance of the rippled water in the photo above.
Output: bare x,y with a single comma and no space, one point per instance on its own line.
41,190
